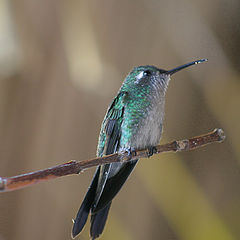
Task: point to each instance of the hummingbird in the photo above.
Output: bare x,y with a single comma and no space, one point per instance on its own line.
133,121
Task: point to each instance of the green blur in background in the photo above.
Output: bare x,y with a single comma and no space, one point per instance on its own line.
61,63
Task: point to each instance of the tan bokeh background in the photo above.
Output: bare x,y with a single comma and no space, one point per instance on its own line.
61,63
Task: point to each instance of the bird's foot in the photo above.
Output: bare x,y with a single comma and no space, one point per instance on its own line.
131,152
151,151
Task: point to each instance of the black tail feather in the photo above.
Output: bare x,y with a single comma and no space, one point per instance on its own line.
98,221
114,184
84,210
99,212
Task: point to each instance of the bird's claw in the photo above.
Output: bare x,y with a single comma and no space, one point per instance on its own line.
151,151
131,152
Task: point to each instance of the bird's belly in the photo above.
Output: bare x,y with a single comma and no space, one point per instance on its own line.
148,131
148,134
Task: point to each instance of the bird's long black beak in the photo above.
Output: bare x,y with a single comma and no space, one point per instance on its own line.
174,70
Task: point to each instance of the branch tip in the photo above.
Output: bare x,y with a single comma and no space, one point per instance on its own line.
220,133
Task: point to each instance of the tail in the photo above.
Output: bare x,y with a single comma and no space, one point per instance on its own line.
99,212
84,210
98,221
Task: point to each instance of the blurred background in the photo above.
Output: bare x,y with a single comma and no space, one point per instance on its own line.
61,63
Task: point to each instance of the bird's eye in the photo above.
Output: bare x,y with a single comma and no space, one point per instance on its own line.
141,76
146,73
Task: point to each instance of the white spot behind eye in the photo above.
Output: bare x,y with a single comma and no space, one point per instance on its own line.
139,76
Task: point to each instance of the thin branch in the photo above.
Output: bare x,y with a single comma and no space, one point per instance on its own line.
75,167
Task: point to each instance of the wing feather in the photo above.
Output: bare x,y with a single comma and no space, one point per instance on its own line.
109,139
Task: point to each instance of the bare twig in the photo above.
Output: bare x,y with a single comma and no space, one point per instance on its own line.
75,167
